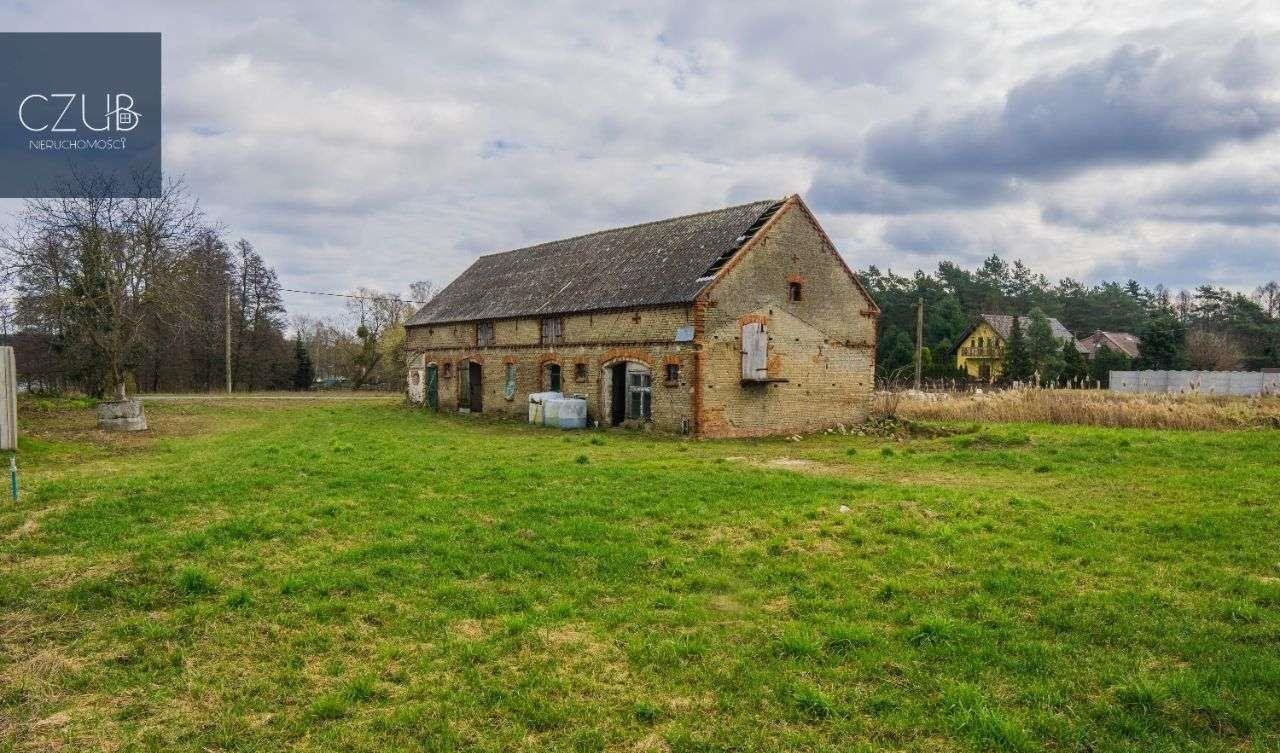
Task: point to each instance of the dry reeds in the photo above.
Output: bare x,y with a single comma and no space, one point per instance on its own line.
1100,408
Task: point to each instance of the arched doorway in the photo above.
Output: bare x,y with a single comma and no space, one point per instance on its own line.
629,394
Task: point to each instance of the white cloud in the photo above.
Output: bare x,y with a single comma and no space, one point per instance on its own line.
379,143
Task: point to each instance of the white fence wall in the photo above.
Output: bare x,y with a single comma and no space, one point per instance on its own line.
1202,382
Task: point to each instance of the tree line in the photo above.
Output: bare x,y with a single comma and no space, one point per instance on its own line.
1208,327
111,295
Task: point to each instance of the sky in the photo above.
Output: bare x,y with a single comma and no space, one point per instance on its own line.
378,143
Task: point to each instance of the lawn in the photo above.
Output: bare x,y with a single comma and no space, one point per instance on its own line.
361,576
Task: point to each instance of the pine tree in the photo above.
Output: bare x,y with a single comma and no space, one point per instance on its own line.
1043,348
1105,361
1163,343
305,374
1075,368
1017,361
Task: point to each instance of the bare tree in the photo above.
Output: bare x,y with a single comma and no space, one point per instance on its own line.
1268,297
333,348
380,330
1208,350
99,269
422,291
1184,306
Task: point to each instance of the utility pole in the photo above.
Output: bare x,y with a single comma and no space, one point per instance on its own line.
228,322
919,339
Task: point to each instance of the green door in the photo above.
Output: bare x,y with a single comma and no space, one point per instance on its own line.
433,387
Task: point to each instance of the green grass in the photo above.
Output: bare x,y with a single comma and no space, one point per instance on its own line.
360,576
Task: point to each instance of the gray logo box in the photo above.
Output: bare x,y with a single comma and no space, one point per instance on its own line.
80,115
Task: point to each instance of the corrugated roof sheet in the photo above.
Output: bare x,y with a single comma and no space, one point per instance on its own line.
663,262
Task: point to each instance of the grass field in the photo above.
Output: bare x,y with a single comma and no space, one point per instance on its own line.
360,576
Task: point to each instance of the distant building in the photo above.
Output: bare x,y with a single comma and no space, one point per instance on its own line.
1119,342
980,352
743,321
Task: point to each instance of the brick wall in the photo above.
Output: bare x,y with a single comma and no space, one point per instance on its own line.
821,350
823,345
596,340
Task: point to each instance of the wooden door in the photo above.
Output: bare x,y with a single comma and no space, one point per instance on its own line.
475,386
432,398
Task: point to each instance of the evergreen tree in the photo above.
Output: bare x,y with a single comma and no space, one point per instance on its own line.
1017,361
1044,350
1075,368
304,376
1105,361
1163,343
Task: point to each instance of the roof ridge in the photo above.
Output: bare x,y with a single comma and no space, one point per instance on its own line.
633,226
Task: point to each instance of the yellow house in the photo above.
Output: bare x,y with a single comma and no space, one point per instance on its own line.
980,352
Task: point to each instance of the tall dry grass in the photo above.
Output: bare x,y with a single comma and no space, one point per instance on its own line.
1100,408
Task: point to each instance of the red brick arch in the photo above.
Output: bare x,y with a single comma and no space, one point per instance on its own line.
626,354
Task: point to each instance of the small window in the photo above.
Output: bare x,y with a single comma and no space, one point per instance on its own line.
553,377
552,330
509,388
484,333
448,370
795,292
673,373
579,372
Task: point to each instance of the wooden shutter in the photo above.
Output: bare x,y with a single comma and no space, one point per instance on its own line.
755,352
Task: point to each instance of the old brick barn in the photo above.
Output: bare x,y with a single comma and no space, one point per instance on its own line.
743,321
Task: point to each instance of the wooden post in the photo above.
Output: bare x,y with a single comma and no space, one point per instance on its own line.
919,339
9,414
8,401
228,333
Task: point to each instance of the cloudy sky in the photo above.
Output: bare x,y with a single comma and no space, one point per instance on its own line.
378,143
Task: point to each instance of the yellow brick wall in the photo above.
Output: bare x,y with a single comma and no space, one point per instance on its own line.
823,346
596,340
643,325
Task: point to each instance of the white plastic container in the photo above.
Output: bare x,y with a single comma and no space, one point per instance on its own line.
538,406
571,413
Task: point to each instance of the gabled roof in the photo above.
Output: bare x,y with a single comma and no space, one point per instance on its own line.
656,263
1003,325
1122,342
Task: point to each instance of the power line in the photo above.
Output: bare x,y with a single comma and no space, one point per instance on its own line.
357,297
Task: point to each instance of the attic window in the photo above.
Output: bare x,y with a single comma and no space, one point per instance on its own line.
795,292
484,333
552,330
